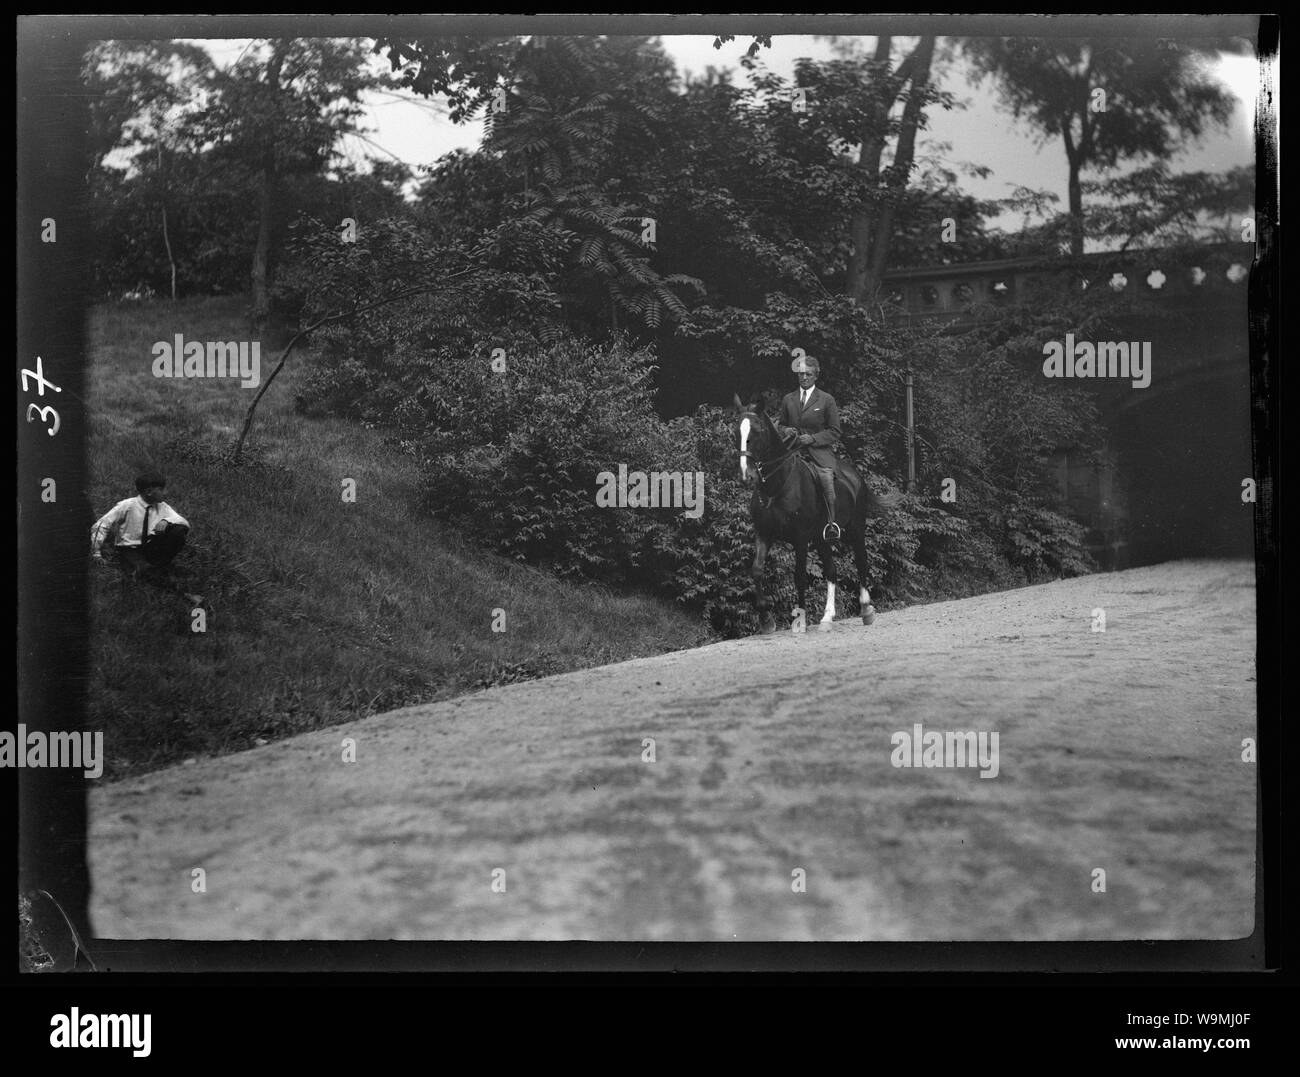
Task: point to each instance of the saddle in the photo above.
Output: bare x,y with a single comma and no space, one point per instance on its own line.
846,474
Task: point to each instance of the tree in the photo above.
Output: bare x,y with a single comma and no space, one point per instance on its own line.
1106,99
181,150
871,226
569,120
279,112
138,92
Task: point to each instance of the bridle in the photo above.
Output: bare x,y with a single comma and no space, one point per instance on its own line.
775,464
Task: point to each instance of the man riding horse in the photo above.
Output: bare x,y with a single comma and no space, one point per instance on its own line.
797,479
813,414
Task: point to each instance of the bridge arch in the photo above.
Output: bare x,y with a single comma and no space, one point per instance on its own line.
1177,450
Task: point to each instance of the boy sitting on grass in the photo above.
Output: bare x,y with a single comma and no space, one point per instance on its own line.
147,535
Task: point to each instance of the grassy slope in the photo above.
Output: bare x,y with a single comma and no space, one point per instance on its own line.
321,611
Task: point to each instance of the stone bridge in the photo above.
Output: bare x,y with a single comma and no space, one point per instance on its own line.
1177,450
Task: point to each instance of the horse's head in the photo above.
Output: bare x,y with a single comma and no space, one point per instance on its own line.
757,437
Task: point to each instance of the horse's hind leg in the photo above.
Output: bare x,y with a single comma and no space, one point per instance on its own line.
766,622
826,554
800,576
860,563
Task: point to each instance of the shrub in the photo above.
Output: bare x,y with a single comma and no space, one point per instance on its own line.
514,455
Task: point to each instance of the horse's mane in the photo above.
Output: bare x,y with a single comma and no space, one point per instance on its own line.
786,435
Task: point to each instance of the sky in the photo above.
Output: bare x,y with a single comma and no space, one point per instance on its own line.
416,130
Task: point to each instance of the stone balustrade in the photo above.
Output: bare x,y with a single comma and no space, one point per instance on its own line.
951,293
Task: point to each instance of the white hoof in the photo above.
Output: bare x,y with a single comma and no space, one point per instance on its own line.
823,626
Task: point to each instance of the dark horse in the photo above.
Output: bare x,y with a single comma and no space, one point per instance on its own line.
788,507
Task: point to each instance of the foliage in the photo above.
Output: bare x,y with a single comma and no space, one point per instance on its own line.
1153,207
173,134
513,454
634,247
137,90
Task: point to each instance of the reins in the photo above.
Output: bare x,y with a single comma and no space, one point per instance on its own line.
768,469
759,465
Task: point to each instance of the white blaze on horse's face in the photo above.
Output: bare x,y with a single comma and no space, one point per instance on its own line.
744,445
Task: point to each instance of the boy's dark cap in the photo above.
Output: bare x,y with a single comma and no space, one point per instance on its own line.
148,478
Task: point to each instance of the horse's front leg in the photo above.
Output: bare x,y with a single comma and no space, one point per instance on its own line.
826,554
766,622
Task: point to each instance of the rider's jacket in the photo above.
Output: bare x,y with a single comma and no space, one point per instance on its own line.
820,418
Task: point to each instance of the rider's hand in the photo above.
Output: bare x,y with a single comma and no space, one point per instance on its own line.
805,439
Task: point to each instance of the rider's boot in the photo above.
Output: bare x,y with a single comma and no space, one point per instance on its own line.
832,530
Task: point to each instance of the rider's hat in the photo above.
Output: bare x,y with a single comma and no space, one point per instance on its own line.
805,364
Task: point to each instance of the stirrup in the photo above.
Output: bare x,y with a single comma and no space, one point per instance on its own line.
831,538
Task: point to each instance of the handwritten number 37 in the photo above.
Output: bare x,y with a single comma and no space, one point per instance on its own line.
46,412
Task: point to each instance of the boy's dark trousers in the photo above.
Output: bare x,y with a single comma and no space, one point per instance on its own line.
149,561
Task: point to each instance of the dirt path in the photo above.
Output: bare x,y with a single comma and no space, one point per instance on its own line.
1118,750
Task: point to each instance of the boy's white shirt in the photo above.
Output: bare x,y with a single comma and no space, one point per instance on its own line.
126,518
